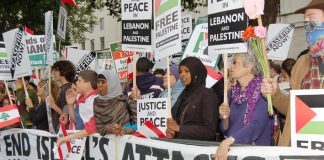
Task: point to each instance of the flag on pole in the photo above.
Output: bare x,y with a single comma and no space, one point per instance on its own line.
64,149
212,77
29,31
70,2
129,68
9,115
148,130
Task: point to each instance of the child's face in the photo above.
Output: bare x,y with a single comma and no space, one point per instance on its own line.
82,85
6,102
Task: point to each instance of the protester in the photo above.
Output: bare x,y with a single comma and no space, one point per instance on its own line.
286,68
21,95
194,115
175,84
159,73
275,70
308,71
64,73
245,120
87,87
148,85
111,107
38,113
2,95
5,101
71,112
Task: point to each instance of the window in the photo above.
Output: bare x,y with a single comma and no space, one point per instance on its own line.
91,28
102,42
102,24
92,44
83,45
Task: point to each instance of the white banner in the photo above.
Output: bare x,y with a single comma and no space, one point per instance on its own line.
167,28
307,119
136,25
279,38
36,144
49,46
15,41
154,110
61,25
83,60
226,23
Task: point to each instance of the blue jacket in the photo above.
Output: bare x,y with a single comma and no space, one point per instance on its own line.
149,85
176,90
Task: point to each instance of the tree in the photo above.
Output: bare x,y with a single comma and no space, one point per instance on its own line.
31,13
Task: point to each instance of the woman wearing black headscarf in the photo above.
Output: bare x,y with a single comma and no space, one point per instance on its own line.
195,114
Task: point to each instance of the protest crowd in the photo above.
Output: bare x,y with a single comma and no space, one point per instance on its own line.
99,102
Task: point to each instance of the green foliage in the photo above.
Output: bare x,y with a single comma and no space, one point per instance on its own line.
31,13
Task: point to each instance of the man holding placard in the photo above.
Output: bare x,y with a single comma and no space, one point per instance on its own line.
308,71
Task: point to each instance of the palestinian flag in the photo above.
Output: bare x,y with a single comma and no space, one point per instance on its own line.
9,115
70,2
148,130
212,77
309,114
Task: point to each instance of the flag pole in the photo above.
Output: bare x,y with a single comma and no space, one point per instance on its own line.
25,88
8,92
169,87
134,73
225,78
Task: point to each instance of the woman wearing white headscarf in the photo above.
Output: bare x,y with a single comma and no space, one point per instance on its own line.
111,108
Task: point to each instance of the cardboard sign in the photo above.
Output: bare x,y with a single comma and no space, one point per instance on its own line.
307,118
136,25
198,44
167,28
83,60
154,110
4,63
278,40
61,25
120,58
49,46
186,30
15,41
36,50
226,23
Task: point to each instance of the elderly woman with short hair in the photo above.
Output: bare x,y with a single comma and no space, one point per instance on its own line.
245,120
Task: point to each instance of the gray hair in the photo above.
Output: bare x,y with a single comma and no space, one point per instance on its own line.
250,59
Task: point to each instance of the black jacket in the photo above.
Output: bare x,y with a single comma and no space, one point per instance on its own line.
197,115
39,116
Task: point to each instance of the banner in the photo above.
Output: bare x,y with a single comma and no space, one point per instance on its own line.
83,60
36,144
154,110
279,38
198,44
49,46
307,119
5,73
136,25
167,27
15,42
36,50
186,30
226,23
61,25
